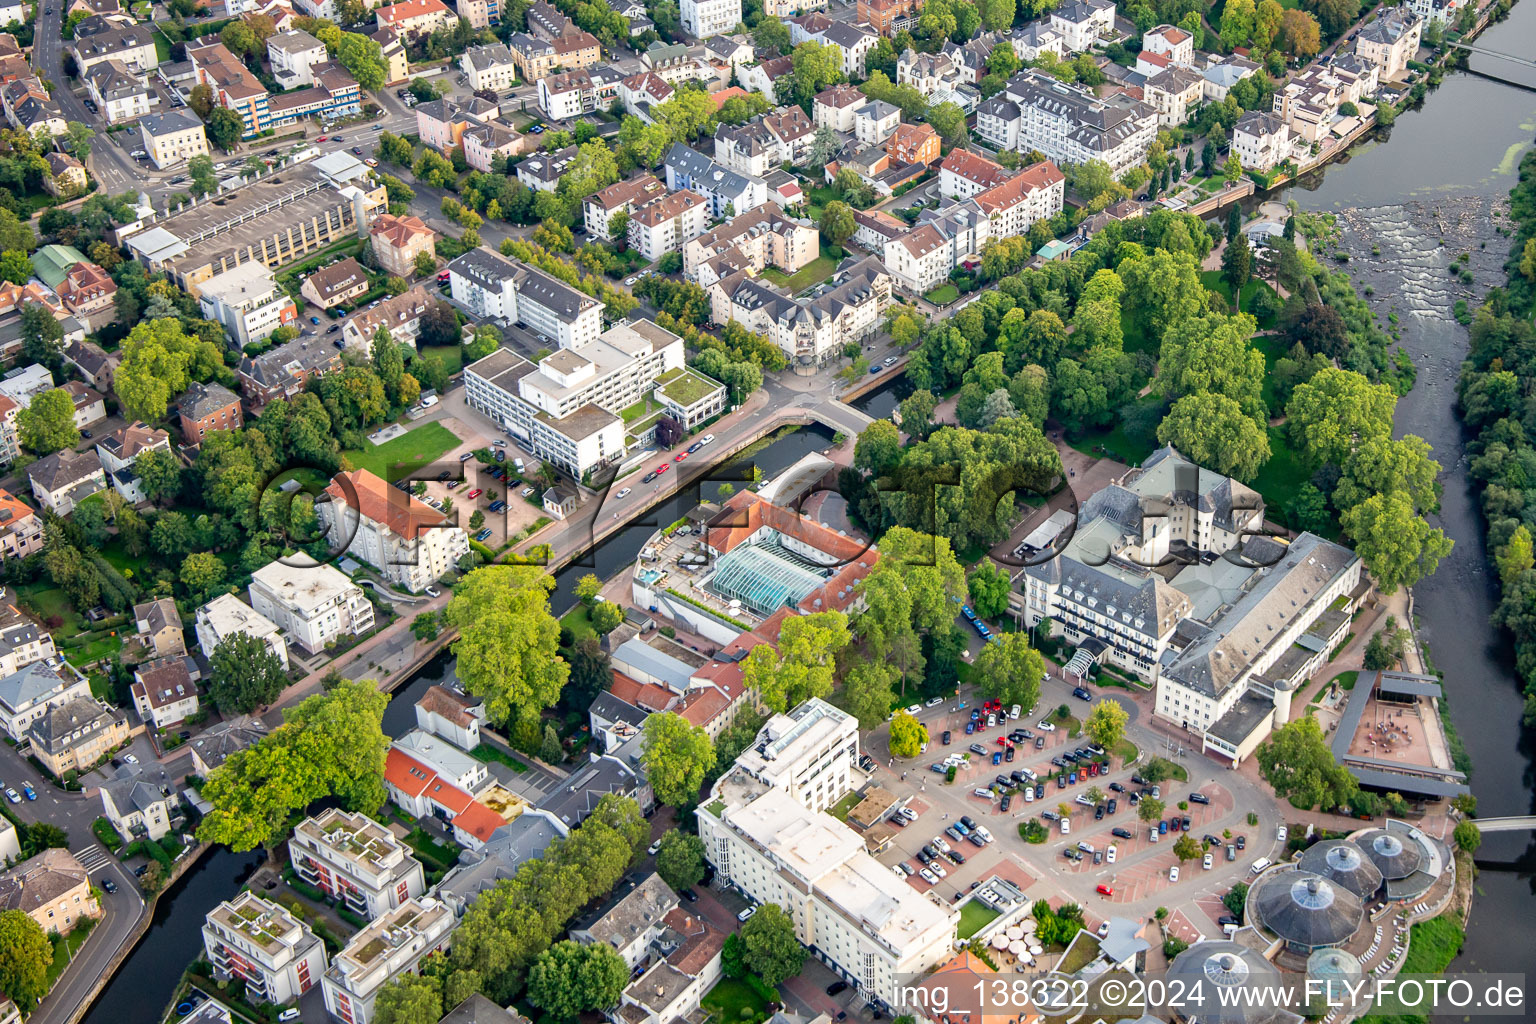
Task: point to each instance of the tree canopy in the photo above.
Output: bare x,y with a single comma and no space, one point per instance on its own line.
508,646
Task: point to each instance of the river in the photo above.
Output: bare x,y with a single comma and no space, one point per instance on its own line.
1444,169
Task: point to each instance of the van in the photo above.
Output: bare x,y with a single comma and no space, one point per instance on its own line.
517,464
1259,865
1066,825
985,794
1228,929
429,401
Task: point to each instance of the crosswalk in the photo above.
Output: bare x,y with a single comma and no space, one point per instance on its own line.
93,858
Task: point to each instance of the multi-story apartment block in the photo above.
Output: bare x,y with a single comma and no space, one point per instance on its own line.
352,858
118,450
414,19
233,84
282,372
1080,23
26,693
315,605
1030,41
888,17
964,174
1171,42
401,316
164,693
765,142
1066,123
488,284
118,92
53,889
76,735
206,407
582,91
763,238
812,332
227,615
834,107
630,923
392,945
64,479
247,301
729,192
666,223
21,529
408,541
293,56
913,144
133,45
600,208
537,58
398,241
705,18
261,943
489,67
765,832
1260,141
173,137
1174,93
1390,41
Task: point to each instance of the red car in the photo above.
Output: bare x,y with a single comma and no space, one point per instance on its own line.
662,468
474,493
321,139
1105,890
679,457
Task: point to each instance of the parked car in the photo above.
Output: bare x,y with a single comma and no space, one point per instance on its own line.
1173,873
1199,798
836,987
1105,890
108,885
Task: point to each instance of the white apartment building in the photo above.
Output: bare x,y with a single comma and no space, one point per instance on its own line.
1171,42
1066,123
390,946
409,542
763,238
566,407
490,285
452,715
1081,22
292,55
705,18
1261,141
353,858
834,108
765,142
730,193
315,605
630,924
489,67
874,122
260,942
599,209
813,332
664,224
247,301
1174,93
119,93
27,693
764,831
1390,41
163,692
227,615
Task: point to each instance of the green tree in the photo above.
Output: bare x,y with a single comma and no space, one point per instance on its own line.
486,340
1150,809
868,690
907,735
772,951
1162,289
1396,544
204,178
426,626
1213,354
244,674
1296,761
225,128
1336,411
988,585
25,956
1011,671
1467,835
571,978
508,646
48,424
1515,555
1187,848
1105,724
677,757
159,360
201,571
1381,465
606,617
409,999
837,225
917,412
680,859
1214,432
587,589
949,121
15,267
159,474
878,448
803,666
1237,266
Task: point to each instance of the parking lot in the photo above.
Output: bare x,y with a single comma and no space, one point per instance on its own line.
475,487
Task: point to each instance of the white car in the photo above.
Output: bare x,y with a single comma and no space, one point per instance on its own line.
897,869
1173,873
890,360
130,759
746,913
981,830
624,493
1029,794
13,796
1280,834
940,845
933,702
1109,853
937,868
1015,711
929,876
914,709
1083,799
1066,826
707,439
1206,862
1045,726
292,1013
432,592
654,847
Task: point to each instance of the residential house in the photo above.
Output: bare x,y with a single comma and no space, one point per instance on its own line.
1261,141
21,529
451,714
395,58
1080,23
90,404
834,107
414,19
811,332
441,123
600,208
172,137
1066,123
53,889
27,692
489,67
87,290
409,542
164,692
139,802
293,56
282,372
132,45
75,735
247,301
630,921
158,628
64,479
29,107
314,605
1390,41
216,744
227,615
686,965
400,315
667,222
119,93
10,445
704,18
964,174
763,238
853,42
1030,41
480,14
261,943
913,144
93,363
484,142
546,21
762,78
66,175
356,861
1174,94
335,284
1221,75
1174,43
567,95
874,122
392,945
642,93
22,641
543,171
118,451
729,192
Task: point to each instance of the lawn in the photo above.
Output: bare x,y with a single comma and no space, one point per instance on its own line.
162,46
1213,281
684,387
736,1000
974,916
1274,348
1281,476
415,448
944,293
1432,945
840,809
647,406
449,357
1346,680
579,621
1116,444
64,949
487,753
814,272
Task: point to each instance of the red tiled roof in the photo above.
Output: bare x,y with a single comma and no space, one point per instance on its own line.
443,702
478,820
444,793
400,12
1153,58
728,94
701,941
407,774
975,168
645,696
1009,193
375,500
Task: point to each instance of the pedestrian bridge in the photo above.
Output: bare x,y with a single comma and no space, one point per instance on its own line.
1516,824
1512,58
840,416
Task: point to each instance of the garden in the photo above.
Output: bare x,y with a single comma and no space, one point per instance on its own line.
415,448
